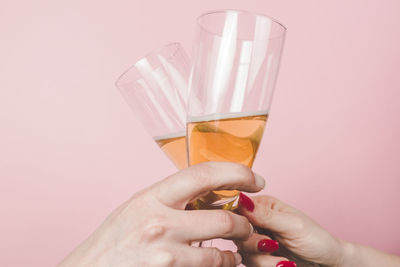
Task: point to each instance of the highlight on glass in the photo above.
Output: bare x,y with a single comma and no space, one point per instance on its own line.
234,71
155,87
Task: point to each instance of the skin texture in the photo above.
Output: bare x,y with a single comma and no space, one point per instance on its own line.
154,229
300,239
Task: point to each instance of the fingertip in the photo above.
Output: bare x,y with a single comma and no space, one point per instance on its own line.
238,258
251,229
286,263
259,180
267,245
246,202
248,235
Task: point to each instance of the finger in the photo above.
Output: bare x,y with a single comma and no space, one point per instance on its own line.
198,225
270,213
213,257
266,260
188,184
258,244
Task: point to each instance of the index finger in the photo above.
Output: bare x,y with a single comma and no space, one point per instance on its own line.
188,184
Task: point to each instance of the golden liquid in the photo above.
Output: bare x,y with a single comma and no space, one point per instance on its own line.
235,138
175,148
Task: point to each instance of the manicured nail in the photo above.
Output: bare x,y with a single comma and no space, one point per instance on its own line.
286,264
246,202
268,245
238,258
260,181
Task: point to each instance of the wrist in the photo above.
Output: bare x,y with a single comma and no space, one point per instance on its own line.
348,251
89,253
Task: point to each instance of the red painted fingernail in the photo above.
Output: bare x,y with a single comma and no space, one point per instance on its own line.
286,264
246,202
268,245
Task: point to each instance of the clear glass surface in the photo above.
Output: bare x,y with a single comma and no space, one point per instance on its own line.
234,70
156,87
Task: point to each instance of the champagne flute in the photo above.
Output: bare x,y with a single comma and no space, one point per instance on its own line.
235,66
155,87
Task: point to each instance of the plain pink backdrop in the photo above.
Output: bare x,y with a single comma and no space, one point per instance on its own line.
71,149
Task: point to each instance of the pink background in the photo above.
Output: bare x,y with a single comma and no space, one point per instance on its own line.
71,150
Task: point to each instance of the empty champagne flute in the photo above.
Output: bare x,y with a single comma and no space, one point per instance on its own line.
155,87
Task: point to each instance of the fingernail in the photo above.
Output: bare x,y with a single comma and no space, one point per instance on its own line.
260,181
246,202
251,229
286,264
238,258
268,245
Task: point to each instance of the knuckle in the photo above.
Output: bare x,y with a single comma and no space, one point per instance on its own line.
264,200
168,259
162,259
154,228
227,222
271,201
268,204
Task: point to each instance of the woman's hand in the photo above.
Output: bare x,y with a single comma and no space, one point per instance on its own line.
153,229
288,235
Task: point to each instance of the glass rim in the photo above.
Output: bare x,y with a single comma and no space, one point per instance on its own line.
240,11
176,45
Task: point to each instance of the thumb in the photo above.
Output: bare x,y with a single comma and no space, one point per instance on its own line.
269,213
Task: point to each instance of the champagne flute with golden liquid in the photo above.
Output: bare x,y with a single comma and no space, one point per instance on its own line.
155,87
234,70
